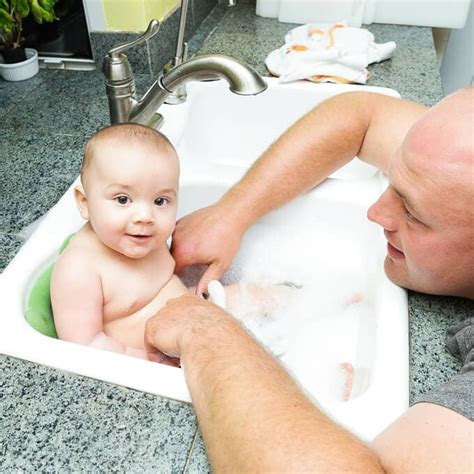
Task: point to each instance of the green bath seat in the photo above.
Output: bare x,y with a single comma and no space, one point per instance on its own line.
39,312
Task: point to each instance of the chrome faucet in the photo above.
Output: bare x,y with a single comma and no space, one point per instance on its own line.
181,55
120,84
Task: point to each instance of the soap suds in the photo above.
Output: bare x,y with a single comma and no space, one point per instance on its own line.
325,252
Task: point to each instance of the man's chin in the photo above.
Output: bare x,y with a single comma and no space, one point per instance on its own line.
397,274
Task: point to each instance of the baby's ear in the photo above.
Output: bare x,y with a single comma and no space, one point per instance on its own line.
81,201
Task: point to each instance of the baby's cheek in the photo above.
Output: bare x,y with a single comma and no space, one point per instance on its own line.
167,228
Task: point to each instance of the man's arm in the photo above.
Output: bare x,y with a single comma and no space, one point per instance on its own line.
254,418
427,438
371,126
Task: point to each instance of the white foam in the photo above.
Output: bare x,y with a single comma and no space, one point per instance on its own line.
316,327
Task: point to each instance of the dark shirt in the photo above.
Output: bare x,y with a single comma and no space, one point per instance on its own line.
458,393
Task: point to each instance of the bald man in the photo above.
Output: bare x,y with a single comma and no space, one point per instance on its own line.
252,415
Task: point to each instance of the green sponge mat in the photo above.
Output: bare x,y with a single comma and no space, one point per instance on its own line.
39,313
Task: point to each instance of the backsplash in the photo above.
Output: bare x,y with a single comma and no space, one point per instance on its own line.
128,15
150,57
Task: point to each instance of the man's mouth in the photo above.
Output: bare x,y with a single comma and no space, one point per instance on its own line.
393,252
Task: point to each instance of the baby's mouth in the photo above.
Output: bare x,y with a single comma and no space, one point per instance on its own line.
139,237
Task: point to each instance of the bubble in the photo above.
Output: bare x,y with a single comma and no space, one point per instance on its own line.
321,255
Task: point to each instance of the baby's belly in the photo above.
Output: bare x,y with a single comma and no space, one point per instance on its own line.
130,329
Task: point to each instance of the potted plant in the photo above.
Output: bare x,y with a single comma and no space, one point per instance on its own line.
20,63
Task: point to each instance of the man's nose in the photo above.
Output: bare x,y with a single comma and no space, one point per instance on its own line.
382,212
142,213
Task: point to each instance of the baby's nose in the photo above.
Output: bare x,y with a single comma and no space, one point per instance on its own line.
143,213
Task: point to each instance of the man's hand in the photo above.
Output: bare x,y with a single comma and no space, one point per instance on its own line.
209,236
167,333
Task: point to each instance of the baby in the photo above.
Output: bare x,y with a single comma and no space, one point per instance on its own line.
117,271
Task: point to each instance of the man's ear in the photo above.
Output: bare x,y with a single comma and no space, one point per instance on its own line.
81,201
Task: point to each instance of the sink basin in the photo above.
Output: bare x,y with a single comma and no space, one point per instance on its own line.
358,324
217,129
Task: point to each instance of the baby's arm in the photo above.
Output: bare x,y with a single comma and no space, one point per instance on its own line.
77,300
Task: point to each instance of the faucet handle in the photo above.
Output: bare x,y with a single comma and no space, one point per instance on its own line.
151,31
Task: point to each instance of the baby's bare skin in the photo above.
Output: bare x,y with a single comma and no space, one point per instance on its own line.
133,290
117,271
129,328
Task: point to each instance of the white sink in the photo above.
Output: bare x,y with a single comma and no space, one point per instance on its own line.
218,135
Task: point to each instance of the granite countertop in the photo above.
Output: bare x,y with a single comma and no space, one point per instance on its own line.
52,420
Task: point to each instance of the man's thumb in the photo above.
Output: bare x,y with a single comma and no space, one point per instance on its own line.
214,272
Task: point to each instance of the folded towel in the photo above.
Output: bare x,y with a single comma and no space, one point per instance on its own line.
327,53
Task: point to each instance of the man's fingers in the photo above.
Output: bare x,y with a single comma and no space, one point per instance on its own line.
213,272
161,358
171,361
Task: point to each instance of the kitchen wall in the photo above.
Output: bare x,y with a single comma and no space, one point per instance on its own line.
126,15
114,22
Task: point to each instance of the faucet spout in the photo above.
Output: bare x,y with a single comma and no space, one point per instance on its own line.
120,84
242,78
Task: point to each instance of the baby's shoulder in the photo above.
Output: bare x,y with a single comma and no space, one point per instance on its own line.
75,273
79,256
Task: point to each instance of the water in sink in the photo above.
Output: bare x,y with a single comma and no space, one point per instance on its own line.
324,329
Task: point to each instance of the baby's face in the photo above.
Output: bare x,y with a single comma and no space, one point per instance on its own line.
131,197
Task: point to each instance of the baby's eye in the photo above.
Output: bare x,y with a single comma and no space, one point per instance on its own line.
122,200
161,201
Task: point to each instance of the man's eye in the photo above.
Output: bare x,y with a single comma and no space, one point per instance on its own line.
122,200
410,216
160,202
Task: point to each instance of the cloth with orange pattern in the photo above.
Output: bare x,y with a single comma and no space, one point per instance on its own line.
327,53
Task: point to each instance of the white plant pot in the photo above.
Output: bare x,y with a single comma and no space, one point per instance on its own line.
22,70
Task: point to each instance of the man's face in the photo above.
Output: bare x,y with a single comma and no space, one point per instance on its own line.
427,216
131,197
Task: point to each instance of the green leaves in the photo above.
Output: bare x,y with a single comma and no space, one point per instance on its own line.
22,7
6,20
12,13
43,10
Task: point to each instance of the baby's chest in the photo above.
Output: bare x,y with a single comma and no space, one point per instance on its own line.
126,291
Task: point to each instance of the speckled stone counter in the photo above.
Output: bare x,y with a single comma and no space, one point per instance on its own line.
56,421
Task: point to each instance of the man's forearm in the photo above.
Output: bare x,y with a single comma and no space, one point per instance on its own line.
253,417
324,140
368,125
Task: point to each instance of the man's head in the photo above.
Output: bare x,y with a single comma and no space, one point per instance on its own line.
428,210
129,189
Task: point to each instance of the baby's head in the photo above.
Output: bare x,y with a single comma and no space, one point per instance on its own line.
129,191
